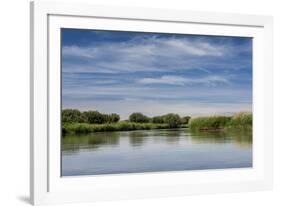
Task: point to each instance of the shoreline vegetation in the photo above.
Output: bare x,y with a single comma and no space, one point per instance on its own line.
74,121
239,120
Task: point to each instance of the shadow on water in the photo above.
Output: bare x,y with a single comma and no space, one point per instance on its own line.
73,143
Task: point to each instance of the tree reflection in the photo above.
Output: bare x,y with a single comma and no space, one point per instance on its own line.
75,142
93,141
139,137
242,137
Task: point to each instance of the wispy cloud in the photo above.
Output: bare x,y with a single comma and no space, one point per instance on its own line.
178,80
146,47
150,54
123,72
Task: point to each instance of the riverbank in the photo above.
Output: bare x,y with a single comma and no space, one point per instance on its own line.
118,126
208,123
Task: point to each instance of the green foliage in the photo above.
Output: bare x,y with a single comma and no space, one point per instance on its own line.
185,120
212,122
241,120
173,120
138,117
112,118
157,119
72,116
119,126
75,121
94,117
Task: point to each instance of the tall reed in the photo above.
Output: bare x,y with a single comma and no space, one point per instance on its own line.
241,119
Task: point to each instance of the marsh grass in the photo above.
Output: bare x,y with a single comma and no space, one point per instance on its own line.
206,123
239,120
119,126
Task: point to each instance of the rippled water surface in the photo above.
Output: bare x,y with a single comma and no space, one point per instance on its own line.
155,151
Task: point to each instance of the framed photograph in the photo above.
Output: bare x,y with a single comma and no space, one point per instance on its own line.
136,103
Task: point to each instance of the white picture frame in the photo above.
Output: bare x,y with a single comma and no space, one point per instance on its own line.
47,186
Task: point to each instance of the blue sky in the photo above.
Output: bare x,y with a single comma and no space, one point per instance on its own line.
125,72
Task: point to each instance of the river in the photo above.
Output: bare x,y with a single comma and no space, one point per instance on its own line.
155,151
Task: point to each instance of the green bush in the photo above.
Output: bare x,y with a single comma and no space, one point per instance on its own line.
157,119
112,118
185,120
138,117
173,120
94,117
72,116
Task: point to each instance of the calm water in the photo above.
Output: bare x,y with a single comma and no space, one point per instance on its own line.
155,150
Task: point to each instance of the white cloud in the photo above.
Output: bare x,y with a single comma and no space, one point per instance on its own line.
173,80
178,80
145,54
114,89
194,47
147,46
158,100
141,93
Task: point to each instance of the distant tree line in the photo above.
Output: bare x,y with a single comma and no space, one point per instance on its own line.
92,117
173,120
95,117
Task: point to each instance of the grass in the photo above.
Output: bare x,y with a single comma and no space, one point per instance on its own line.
207,123
119,126
242,119
239,120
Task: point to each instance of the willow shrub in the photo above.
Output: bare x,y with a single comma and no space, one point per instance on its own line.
72,115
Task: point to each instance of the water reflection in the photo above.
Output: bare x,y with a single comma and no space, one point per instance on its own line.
137,138
242,137
75,142
155,150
